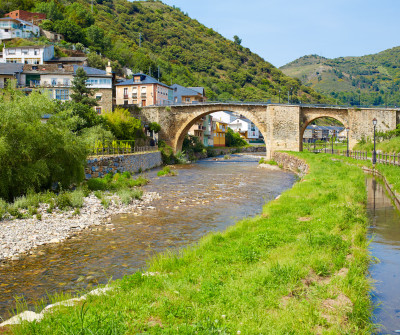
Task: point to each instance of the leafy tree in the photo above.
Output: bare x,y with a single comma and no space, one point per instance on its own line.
233,139
237,40
33,154
47,25
123,125
51,10
11,5
97,38
82,93
71,31
96,61
80,15
154,127
86,113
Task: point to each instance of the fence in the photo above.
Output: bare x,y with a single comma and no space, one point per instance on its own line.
112,150
381,157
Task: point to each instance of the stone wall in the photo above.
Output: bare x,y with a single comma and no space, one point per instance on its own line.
291,163
100,166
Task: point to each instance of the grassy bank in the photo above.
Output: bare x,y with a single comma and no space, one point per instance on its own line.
299,268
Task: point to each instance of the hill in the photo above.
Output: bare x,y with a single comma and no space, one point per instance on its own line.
152,37
371,80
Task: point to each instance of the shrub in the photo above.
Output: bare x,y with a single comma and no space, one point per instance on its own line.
63,200
97,184
76,198
3,208
166,171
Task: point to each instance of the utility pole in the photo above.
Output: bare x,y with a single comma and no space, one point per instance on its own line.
288,96
149,70
92,6
140,40
158,77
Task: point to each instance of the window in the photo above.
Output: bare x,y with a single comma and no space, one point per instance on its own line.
187,99
36,52
98,97
60,66
53,81
34,67
11,51
62,94
125,102
24,51
66,82
98,110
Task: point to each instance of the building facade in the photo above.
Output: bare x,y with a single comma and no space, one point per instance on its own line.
219,131
26,16
37,54
15,28
188,95
56,81
143,90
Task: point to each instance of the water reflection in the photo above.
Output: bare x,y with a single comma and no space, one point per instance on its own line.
385,230
207,196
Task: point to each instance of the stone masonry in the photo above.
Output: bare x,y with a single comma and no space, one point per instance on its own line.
281,125
100,166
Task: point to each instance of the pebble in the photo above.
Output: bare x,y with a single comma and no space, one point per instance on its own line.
20,236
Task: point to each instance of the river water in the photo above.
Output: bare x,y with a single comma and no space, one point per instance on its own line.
385,245
207,196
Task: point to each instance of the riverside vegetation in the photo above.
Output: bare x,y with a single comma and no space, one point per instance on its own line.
299,268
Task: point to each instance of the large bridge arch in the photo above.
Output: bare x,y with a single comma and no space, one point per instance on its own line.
192,119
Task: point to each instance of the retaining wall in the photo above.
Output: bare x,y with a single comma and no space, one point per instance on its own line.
291,163
100,166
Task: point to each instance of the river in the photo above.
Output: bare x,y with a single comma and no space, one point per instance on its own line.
385,233
207,196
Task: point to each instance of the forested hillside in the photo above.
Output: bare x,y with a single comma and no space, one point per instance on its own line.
369,80
149,35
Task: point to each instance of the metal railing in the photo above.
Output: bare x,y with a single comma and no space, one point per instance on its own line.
112,150
381,157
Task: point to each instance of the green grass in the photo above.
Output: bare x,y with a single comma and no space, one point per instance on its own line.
387,146
272,274
166,171
265,161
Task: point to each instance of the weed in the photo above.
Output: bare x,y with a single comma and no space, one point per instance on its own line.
166,171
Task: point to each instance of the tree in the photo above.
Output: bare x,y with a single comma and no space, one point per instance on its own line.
97,39
233,139
87,115
237,40
33,154
123,125
51,10
82,94
71,31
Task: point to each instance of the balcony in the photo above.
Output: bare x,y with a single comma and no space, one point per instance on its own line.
126,96
143,95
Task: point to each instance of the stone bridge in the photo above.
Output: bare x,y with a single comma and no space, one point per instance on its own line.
281,125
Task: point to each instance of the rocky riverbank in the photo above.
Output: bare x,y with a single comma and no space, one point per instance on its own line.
22,236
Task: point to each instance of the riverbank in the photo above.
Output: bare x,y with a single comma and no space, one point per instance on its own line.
21,236
300,267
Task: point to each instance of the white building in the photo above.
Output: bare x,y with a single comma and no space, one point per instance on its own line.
246,128
37,54
226,117
15,28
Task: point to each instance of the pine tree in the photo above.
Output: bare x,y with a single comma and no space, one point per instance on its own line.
82,94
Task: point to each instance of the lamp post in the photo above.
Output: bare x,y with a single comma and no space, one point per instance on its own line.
279,95
374,122
347,131
332,142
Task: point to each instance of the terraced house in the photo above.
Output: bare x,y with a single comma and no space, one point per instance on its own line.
143,90
56,81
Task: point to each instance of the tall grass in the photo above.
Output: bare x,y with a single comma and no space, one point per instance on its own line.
272,274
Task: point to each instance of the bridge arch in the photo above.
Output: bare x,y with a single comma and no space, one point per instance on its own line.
194,117
311,114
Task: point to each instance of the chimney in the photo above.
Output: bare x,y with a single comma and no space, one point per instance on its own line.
109,69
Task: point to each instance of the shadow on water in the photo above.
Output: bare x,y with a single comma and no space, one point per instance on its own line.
207,196
385,231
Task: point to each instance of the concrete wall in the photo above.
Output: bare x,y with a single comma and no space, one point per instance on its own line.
100,166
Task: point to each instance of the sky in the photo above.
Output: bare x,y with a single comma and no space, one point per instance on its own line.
281,31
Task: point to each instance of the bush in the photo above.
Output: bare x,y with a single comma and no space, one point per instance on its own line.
233,139
76,198
63,200
97,184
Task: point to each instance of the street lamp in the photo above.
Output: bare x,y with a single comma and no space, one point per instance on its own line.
374,122
347,131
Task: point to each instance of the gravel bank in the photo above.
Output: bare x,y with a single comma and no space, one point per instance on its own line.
19,236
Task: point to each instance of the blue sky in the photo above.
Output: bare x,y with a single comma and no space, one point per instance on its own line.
281,31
